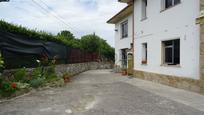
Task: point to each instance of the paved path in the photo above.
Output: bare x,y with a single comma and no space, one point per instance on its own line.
101,92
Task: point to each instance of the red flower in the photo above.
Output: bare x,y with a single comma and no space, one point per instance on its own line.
14,85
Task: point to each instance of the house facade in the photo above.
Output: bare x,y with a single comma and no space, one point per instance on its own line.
167,44
123,35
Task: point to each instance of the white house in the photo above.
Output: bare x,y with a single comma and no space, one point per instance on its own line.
123,34
166,41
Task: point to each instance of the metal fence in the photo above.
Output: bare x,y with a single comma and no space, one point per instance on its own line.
79,56
29,61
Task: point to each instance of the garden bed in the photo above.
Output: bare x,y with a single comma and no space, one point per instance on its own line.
21,81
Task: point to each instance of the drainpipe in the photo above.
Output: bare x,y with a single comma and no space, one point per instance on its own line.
133,32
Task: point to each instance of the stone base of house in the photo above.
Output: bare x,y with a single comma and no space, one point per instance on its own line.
174,81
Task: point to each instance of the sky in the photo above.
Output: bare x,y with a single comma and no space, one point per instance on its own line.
81,17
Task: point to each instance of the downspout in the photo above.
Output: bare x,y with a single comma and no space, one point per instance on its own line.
133,33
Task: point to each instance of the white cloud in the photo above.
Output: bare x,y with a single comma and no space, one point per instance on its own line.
82,16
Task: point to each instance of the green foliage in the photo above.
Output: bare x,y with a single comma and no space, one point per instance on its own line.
1,61
49,73
55,82
23,85
90,43
36,83
95,44
68,38
1,81
20,75
41,76
6,89
66,34
16,29
37,72
106,50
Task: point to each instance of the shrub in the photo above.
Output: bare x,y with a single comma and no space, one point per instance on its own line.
55,82
37,72
22,85
1,63
67,77
36,83
20,75
49,73
7,89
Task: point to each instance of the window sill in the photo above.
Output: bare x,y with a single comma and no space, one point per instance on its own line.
143,19
144,63
170,7
123,38
166,65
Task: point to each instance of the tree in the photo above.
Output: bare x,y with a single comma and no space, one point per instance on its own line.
68,38
66,35
90,43
106,50
94,44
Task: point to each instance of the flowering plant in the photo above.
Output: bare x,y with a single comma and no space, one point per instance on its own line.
14,85
7,89
1,61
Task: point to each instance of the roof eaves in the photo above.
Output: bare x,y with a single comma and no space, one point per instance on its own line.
111,20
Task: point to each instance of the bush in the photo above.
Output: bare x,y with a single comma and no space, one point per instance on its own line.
36,83
37,72
49,73
23,85
1,63
20,75
6,89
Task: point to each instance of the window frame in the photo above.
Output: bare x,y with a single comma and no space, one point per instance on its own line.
144,9
173,63
163,5
123,35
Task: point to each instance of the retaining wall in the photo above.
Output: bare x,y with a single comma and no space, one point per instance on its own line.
69,68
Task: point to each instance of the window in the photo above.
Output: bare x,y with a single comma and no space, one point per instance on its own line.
144,53
171,50
170,3
124,29
144,9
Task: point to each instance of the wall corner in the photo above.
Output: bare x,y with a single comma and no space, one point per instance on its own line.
200,21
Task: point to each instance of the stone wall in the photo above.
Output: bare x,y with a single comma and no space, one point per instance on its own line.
174,81
202,52
200,21
69,68
81,67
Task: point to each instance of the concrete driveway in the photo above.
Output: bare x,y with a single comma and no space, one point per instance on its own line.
101,92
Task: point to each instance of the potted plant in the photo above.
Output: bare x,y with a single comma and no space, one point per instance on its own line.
66,77
144,62
124,71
